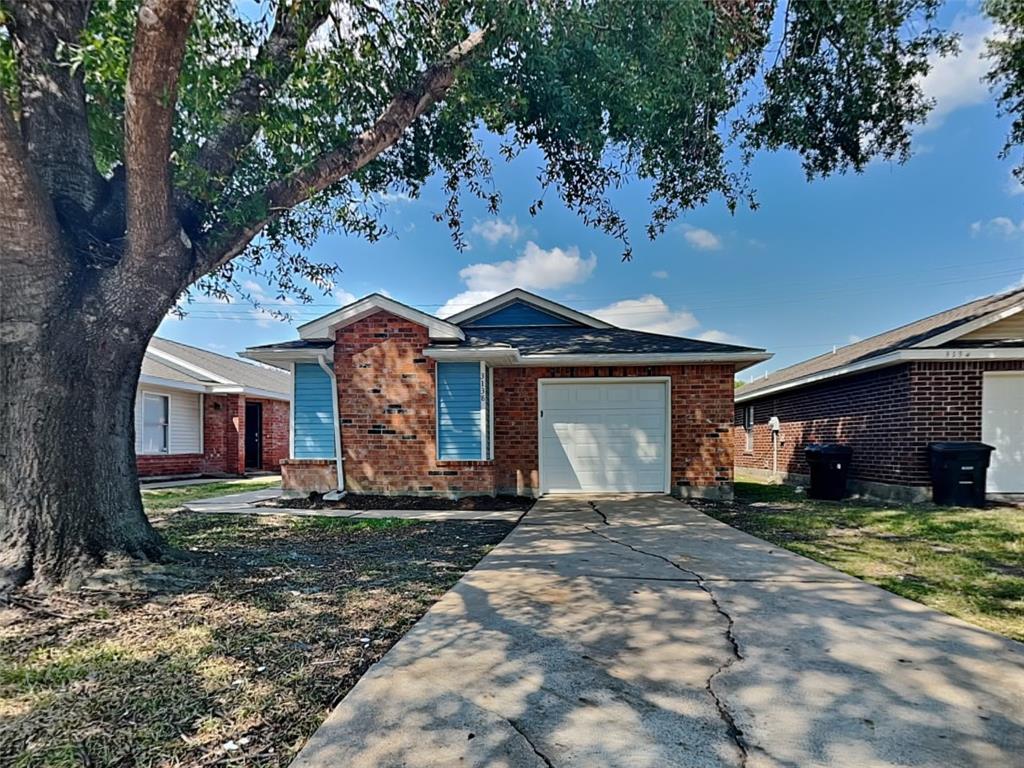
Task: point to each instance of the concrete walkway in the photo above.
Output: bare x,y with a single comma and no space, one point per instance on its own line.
181,483
245,504
641,633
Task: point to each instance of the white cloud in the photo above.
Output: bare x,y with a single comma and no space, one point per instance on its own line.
652,314
999,226
497,229
648,313
704,239
956,82
535,269
1014,186
344,297
661,274
719,337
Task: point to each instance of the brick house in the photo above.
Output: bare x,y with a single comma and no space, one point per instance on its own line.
957,375
200,413
516,395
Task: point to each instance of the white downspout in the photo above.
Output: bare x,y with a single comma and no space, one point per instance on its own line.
337,423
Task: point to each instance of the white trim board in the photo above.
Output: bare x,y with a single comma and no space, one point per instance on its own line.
970,327
500,356
283,358
883,361
324,327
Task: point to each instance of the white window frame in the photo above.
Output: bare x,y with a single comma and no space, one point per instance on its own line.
166,451
748,428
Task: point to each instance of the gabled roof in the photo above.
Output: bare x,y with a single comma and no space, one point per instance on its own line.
324,327
519,295
170,362
581,340
574,340
934,332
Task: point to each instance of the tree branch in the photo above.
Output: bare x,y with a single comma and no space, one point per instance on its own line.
53,111
224,243
161,31
273,65
29,234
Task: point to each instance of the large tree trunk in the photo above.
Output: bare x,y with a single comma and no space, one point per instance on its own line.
70,497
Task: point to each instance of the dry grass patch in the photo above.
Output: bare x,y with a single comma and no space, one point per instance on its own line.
270,626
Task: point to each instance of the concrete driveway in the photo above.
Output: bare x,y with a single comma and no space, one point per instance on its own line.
639,632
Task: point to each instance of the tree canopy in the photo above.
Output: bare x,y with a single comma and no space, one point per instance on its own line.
286,121
149,148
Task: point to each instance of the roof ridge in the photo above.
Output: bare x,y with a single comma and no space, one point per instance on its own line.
236,358
866,342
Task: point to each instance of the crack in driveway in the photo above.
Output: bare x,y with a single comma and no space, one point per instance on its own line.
602,515
516,727
734,731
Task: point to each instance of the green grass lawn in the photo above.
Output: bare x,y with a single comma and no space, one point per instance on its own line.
163,499
966,562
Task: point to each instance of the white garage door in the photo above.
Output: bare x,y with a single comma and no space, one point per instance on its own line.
603,436
1002,425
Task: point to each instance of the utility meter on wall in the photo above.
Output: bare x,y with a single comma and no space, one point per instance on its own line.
773,424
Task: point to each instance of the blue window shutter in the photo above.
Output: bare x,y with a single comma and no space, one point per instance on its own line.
459,412
314,413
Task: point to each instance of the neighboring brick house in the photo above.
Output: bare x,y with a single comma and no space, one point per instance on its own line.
200,413
516,395
954,376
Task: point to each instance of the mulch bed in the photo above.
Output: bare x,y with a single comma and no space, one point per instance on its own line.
374,501
270,625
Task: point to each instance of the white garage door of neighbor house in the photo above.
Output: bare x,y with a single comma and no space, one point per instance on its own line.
1002,426
604,436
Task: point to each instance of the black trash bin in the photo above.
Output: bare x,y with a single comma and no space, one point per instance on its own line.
829,465
958,473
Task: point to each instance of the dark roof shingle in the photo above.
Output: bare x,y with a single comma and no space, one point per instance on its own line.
551,340
904,337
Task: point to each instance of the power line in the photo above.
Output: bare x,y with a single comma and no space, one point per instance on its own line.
306,311
787,283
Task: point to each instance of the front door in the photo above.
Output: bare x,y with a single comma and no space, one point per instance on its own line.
253,435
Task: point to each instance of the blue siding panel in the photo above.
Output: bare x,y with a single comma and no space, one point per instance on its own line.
314,413
459,415
517,313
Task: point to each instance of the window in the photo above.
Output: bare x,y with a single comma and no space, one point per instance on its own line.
155,412
464,423
748,427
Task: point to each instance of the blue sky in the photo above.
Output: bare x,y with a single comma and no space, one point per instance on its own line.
817,265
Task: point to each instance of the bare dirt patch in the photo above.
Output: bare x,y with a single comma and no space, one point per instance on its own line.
267,628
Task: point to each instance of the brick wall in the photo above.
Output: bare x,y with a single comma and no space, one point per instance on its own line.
888,416
701,420
386,407
275,433
869,412
215,426
224,440
302,476
946,405
386,394
151,465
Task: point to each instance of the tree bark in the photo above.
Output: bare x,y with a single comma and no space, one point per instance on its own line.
70,496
